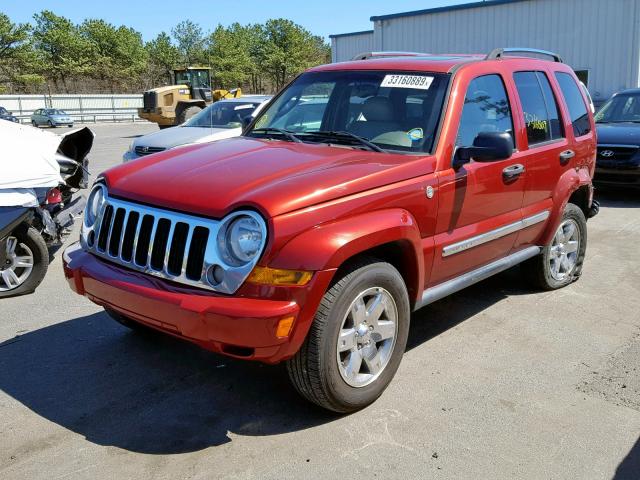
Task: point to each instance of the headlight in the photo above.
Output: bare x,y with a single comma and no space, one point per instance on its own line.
241,238
94,204
244,239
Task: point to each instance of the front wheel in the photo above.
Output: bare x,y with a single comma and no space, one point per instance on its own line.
560,262
357,339
51,124
186,113
26,264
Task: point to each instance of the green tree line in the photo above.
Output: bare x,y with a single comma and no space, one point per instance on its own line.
55,55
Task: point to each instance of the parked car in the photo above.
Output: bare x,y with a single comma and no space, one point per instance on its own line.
618,125
222,119
52,117
311,238
6,115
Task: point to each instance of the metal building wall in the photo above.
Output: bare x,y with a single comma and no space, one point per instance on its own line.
345,46
602,36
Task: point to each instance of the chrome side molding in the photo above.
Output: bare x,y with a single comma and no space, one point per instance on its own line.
494,234
441,290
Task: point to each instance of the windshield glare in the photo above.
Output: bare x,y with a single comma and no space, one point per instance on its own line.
621,108
222,115
393,110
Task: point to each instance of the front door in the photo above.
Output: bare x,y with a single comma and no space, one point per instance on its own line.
480,202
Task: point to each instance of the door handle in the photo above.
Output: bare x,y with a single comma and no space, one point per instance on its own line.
512,172
566,156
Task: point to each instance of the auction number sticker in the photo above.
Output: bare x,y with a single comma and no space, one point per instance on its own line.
421,82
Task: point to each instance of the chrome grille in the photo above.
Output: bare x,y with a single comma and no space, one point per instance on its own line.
166,244
142,150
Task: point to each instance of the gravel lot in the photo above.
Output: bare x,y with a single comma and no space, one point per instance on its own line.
499,381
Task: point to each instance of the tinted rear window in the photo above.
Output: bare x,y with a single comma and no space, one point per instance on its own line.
575,103
539,107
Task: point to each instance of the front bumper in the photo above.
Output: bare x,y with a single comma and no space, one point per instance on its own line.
129,155
627,177
237,326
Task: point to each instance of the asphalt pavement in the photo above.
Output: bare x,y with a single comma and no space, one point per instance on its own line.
499,381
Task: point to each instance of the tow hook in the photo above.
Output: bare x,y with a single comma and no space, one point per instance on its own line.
595,208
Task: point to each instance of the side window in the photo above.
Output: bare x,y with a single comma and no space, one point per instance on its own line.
539,106
486,109
575,104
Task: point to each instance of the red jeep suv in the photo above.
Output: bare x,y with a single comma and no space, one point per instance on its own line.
363,191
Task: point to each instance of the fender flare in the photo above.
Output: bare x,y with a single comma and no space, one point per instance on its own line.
329,245
569,182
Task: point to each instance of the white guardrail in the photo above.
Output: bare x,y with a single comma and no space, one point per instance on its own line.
82,108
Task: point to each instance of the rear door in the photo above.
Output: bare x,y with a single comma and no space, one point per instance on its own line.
550,145
478,204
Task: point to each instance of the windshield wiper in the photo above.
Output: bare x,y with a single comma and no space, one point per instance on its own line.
285,133
347,135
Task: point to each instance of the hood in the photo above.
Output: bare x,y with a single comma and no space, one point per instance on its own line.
272,176
174,136
626,133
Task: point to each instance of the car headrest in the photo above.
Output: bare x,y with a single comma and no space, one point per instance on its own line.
378,109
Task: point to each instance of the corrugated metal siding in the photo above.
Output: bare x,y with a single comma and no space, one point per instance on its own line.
345,47
601,36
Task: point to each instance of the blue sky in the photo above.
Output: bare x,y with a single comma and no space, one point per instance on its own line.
322,17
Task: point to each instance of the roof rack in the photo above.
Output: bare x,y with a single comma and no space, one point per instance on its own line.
500,53
369,55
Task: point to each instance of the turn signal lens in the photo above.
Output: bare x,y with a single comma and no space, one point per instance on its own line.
277,276
284,327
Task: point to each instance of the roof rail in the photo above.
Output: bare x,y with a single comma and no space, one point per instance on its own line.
500,53
369,55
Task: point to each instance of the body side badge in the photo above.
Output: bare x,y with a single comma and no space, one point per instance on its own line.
430,191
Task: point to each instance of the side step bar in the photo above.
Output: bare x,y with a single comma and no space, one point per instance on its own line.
441,290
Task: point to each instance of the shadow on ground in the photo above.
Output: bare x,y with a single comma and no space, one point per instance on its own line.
629,468
617,197
156,394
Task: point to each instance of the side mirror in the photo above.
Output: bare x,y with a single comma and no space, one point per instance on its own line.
487,147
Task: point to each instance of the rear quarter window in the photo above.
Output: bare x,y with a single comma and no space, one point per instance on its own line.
575,103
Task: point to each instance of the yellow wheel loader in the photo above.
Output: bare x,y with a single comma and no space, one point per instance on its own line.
175,104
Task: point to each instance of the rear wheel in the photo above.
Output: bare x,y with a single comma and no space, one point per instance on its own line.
26,265
186,113
357,339
560,262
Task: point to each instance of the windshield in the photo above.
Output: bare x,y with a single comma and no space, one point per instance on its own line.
222,115
391,110
199,78
621,108
55,112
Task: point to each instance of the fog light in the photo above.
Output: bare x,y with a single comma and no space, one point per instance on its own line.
284,327
215,275
278,276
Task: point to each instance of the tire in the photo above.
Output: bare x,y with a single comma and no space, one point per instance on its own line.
541,270
127,322
320,373
28,280
162,127
34,124
186,113
51,124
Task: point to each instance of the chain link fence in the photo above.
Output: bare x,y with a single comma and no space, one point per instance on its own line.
83,108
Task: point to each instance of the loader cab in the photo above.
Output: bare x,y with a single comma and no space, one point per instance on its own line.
197,79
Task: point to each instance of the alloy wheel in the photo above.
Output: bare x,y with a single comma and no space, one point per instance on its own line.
367,337
563,255
18,266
